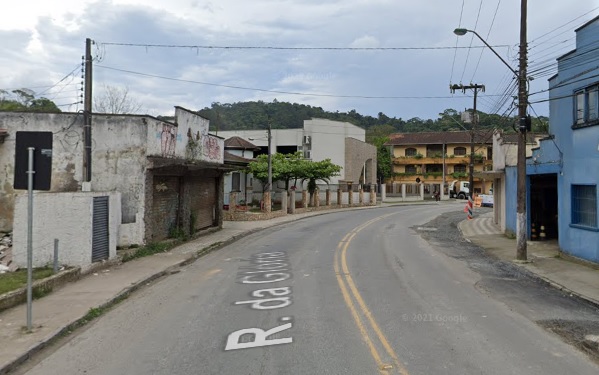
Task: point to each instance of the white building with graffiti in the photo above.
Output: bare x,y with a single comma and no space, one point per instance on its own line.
168,176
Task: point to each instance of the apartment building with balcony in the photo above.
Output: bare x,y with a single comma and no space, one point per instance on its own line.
437,158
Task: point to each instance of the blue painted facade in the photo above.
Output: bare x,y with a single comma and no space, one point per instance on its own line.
511,202
572,155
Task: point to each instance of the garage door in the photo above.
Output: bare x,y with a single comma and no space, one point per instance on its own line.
203,200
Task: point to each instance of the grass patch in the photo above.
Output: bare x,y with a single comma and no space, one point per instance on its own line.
150,249
10,281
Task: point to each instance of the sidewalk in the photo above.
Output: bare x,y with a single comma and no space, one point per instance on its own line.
544,258
51,319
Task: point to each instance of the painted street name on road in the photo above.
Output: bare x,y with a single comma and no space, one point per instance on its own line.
264,268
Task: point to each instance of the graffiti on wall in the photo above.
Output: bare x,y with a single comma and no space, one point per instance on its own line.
202,146
212,148
168,140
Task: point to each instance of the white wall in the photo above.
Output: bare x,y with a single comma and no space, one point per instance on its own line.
67,217
328,141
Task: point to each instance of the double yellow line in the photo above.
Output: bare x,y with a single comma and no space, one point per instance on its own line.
350,293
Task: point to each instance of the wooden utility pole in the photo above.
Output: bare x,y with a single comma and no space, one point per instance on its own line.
521,219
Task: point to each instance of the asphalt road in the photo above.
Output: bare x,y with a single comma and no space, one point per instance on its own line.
377,291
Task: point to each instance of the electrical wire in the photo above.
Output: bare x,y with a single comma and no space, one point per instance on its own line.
456,44
271,91
486,38
198,47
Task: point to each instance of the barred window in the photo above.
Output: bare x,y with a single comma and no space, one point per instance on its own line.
411,151
459,151
410,169
459,168
584,205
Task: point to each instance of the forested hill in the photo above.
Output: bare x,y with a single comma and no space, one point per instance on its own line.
283,115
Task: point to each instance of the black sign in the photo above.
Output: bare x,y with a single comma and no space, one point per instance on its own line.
42,159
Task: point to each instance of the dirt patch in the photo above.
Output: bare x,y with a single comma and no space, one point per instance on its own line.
575,332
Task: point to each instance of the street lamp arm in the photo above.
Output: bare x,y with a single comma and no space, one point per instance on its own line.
460,32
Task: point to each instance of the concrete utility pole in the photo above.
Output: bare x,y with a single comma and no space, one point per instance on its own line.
523,125
521,226
476,88
87,113
269,156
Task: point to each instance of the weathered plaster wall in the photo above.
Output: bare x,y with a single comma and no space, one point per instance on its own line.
67,217
196,143
66,157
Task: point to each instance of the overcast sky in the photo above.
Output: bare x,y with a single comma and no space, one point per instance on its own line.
407,76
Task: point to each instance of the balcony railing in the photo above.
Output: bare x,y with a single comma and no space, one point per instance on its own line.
449,160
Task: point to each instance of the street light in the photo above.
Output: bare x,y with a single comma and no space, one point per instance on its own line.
521,227
462,32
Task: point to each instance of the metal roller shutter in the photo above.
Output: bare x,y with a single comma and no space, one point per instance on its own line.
203,201
100,234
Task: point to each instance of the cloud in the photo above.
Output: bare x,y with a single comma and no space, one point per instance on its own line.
44,41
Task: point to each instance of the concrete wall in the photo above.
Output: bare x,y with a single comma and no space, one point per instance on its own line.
67,217
121,145
66,159
360,155
328,142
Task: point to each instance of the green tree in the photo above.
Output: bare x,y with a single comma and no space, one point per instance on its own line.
319,171
24,100
287,167
383,158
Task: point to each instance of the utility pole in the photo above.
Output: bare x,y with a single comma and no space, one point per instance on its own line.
476,88
87,113
269,156
521,227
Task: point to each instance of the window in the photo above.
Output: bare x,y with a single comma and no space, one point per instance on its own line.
459,168
410,169
235,182
434,168
411,151
584,205
586,106
458,151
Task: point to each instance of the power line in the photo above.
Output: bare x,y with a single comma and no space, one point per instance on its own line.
272,91
486,38
559,27
471,41
455,53
198,47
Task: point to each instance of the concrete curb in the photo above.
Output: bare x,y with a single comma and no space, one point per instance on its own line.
531,271
125,293
19,296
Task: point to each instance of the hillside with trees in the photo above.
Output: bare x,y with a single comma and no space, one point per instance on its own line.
283,115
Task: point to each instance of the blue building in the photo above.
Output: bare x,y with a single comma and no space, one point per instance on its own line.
563,172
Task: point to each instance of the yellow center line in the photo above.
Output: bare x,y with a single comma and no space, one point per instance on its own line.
343,246
357,320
